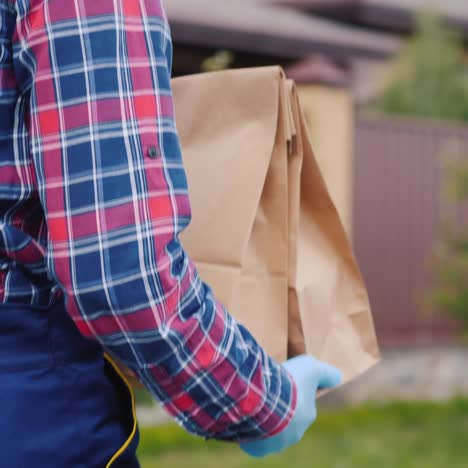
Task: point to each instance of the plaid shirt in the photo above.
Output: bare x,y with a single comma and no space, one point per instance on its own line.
93,196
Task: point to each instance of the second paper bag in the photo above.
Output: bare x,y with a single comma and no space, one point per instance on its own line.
265,234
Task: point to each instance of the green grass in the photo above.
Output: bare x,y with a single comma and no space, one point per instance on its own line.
395,435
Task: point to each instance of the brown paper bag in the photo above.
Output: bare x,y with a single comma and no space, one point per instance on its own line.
265,234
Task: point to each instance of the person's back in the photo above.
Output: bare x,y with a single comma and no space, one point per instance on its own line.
93,197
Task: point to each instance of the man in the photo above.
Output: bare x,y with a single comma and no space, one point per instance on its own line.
93,199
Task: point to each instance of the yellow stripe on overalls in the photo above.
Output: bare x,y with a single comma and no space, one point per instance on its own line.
132,434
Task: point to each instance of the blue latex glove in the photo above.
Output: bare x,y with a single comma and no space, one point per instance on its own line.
310,375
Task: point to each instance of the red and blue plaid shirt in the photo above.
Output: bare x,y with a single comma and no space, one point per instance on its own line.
93,196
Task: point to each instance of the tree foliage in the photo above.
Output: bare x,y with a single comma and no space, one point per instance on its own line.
429,78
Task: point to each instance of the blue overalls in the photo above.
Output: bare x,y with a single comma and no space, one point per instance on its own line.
63,403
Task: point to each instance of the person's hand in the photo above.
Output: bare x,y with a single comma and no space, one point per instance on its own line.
310,375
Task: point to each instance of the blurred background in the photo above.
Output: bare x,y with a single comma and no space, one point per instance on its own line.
384,87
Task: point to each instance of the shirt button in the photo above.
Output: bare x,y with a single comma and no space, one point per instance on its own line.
153,152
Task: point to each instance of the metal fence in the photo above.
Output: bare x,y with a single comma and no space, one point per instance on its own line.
398,210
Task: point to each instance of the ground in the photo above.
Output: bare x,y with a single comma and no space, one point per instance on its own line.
393,435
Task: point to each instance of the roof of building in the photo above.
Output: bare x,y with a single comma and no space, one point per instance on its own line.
400,13
396,14
450,8
264,28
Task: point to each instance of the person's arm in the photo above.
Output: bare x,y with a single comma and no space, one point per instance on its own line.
94,76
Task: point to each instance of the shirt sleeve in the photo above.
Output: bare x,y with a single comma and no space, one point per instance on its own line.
95,79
